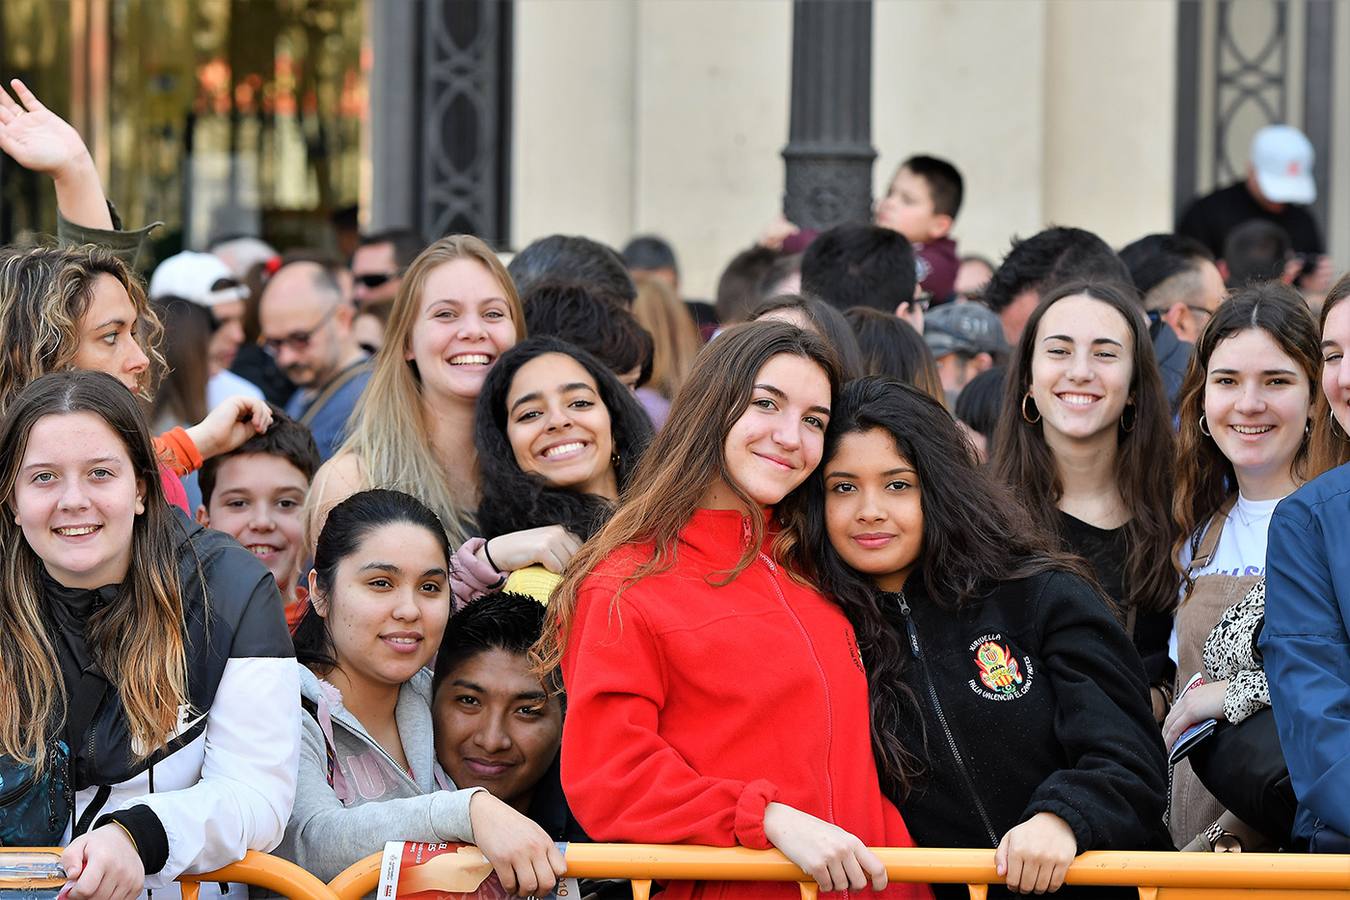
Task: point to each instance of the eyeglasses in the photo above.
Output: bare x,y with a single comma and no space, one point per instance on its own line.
297,340
373,280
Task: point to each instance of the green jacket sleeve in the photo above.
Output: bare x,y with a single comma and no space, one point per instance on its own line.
128,246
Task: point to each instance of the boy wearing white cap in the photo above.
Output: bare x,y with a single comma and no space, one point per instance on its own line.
1278,188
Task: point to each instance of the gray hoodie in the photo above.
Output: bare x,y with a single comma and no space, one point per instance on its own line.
372,799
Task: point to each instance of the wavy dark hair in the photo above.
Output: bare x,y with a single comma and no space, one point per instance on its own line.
974,535
890,346
1024,461
347,526
1204,476
514,500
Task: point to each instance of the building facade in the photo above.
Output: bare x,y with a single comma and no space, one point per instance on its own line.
519,118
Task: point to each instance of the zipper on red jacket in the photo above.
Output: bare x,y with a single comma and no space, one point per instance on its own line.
942,718
825,683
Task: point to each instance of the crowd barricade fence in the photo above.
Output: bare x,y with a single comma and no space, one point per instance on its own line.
1156,875
256,869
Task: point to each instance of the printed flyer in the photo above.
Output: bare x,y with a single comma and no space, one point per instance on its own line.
416,870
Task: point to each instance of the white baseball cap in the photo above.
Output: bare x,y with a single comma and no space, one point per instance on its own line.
1282,158
199,278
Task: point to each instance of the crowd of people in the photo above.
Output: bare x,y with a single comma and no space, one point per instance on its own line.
883,546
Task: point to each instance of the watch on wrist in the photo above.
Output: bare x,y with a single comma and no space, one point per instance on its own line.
1221,841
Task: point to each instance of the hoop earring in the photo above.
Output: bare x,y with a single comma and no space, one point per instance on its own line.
1028,419
1204,427
1134,418
1342,436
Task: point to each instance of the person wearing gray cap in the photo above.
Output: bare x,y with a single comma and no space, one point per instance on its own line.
966,339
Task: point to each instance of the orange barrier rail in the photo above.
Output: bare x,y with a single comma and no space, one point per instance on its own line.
261,870
1157,876
257,869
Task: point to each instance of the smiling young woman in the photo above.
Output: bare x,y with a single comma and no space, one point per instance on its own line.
558,438
1083,430
971,625
380,599
105,590
1245,413
455,314
1306,634
679,629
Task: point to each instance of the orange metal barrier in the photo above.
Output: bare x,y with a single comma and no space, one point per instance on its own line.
1157,876
261,870
257,869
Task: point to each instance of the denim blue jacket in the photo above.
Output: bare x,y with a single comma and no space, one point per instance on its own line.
1306,644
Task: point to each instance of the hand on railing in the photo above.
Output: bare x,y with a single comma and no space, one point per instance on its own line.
1036,855
526,860
102,865
837,860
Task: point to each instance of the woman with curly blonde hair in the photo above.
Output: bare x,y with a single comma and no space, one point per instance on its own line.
84,308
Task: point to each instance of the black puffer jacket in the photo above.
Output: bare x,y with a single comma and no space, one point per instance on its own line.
1031,700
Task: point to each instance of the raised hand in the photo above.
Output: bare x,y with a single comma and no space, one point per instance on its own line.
41,141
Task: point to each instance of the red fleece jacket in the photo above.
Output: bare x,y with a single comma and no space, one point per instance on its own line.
691,707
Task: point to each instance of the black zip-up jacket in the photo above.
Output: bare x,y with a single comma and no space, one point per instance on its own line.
224,780
1031,700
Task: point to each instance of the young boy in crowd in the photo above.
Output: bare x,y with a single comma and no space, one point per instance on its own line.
922,203
256,494
497,725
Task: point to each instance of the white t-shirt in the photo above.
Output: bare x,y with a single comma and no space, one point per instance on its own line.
1241,550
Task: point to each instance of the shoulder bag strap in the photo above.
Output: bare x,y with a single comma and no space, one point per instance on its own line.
1209,542
342,380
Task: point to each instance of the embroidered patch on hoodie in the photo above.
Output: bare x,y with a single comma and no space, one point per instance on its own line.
999,673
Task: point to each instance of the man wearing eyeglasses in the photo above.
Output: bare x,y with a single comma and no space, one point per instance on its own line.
377,269
306,326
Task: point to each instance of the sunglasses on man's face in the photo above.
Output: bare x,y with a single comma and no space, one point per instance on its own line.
373,280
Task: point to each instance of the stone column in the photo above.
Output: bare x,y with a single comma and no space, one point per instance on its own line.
829,153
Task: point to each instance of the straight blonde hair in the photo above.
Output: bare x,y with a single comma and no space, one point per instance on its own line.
391,437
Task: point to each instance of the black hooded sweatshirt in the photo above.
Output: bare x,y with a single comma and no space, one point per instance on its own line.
1031,699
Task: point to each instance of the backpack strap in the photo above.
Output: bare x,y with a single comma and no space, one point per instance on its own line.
323,717
343,378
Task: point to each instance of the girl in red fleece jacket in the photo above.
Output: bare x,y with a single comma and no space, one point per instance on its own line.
712,697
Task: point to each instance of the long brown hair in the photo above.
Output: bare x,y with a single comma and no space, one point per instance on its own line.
1025,462
1204,476
44,295
683,460
675,337
1331,445
137,639
391,436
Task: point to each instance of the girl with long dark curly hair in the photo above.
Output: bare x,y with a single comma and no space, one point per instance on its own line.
1008,705
558,437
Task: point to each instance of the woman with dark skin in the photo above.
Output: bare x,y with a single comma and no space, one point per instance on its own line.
999,680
